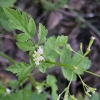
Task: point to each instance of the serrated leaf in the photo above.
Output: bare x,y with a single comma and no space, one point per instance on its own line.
65,55
25,46
31,27
15,19
24,18
49,49
13,68
4,21
7,3
21,69
42,33
64,58
61,40
22,37
24,72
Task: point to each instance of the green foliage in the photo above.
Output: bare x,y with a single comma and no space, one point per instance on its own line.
20,21
12,83
53,6
2,90
25,46
4,20
42,33
7,3
21,70
24,94
43,55
73,61
51,81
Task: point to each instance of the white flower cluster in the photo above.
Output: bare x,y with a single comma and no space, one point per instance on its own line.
37,56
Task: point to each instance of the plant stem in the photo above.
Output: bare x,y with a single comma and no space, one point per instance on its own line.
34,83
60,64
89,72
7,57
70,80
72,67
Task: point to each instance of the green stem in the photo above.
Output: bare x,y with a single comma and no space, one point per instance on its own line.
70,80
7,57
81,79
60,64
72,67
89,72
34,83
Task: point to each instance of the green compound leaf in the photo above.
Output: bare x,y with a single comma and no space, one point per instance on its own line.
21,69
20,21
42,33
61,40
51,81
22,37
8,3
25,46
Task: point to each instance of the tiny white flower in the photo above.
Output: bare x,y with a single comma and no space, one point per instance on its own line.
8,90
37,62
40,50
41,58
37,56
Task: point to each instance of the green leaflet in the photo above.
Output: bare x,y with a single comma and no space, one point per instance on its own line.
7,3
51,81
4,21
52,47
20,21
61,40
49,49
64,58
42,33
65,55
31,27
25,46
22,70
22,37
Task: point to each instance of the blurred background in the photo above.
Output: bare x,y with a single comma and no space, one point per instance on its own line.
77,19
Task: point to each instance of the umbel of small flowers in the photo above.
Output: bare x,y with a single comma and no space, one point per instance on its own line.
37,56
88,90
